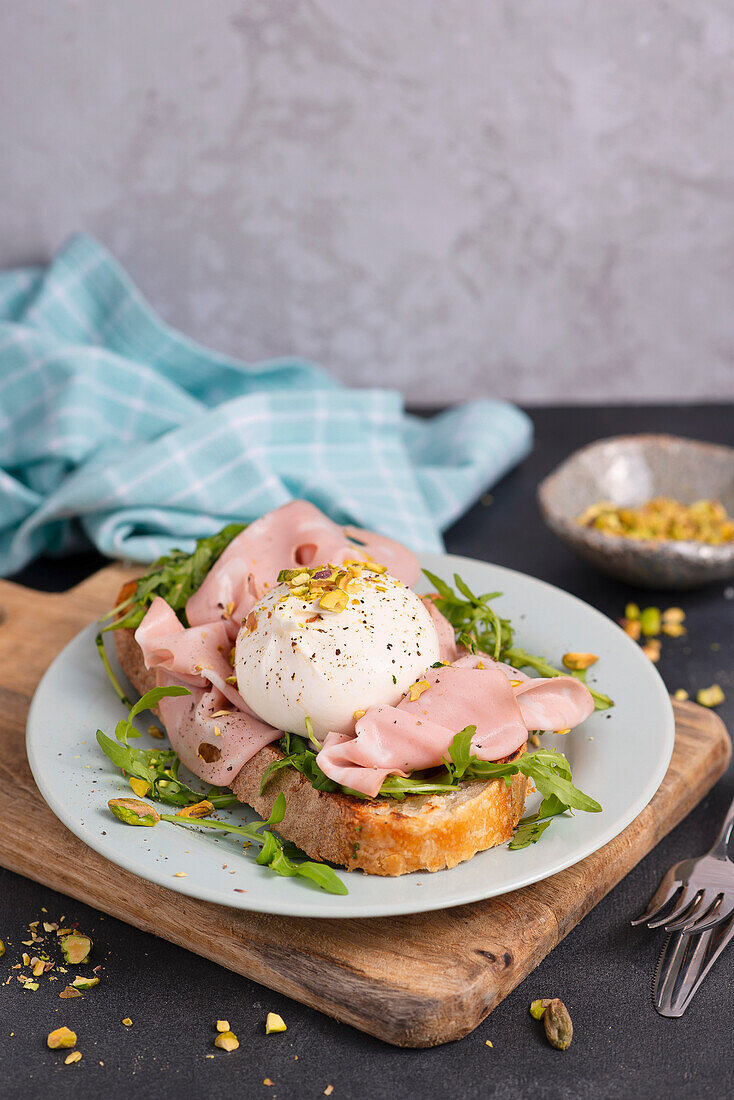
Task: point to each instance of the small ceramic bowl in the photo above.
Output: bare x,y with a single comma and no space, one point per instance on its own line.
629,470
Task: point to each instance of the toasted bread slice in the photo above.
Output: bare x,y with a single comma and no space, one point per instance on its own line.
380,836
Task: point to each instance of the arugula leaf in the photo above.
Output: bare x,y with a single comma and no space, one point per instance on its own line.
175,577
272,853
527,832
299,754
480,629
157,767
460,751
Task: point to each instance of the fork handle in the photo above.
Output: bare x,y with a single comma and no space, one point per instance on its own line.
720,848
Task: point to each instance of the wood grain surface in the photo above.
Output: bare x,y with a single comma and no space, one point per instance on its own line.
414,980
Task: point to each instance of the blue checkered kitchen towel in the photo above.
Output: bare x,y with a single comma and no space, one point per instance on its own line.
116,429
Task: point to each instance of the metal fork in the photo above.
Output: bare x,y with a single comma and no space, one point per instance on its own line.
704,889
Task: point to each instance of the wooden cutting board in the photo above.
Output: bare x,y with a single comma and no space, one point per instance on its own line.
413,981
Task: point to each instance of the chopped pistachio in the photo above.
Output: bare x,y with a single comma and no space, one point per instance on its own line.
537,1008
127,1021
558,1026
650,621
681,695
155,732
652,650
631,627
222,1025
632,611
416,690
26,959
199,809
133,812
335,600
579,661
75,1056
139,786
84,983
226,1040
2,948
274,1023
61,1037
76,948
38,969
488,1042
68,993
673,615
711,696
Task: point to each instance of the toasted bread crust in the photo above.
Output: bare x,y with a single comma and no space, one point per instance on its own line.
381,836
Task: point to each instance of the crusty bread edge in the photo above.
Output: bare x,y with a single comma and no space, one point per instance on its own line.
381,837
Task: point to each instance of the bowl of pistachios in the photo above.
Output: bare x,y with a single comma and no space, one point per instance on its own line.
653,510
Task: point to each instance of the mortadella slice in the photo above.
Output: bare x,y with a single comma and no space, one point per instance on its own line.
212,744
295,534
460,697
188,653
444,630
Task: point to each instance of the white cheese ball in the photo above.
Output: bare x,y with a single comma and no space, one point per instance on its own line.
291,665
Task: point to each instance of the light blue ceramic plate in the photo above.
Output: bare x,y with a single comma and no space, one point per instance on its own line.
619,756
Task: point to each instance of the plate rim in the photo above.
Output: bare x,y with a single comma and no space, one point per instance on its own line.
319,905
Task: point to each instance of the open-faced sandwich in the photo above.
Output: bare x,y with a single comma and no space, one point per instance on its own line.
395,725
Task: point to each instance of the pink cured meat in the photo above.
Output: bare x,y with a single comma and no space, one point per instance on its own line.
444,630
295,534
546,702
187,654
234,738
417,734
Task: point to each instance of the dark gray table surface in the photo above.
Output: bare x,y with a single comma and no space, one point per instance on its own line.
602,970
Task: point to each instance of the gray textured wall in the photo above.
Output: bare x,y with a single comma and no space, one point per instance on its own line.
530,198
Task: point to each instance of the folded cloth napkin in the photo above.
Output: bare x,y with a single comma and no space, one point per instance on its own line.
116,429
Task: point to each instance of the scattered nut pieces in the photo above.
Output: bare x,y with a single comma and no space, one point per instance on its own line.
488,1043
274,1023
61,1037
139,786
652,650
556,1019
632,611
75,948
650,621
681,695
673,630
69,992
2,949
198,809
84,983
75,1056
558,1026
577,662
328,1090
133,812
674,615
631,627
222,1025
226,1040
416,690
127,1022
711,696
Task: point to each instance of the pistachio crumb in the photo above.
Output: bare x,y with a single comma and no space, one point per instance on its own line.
222,1025
61,1037
127,1021
75,1056
227,1040
274,1023
488,1042
681,695
711,696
